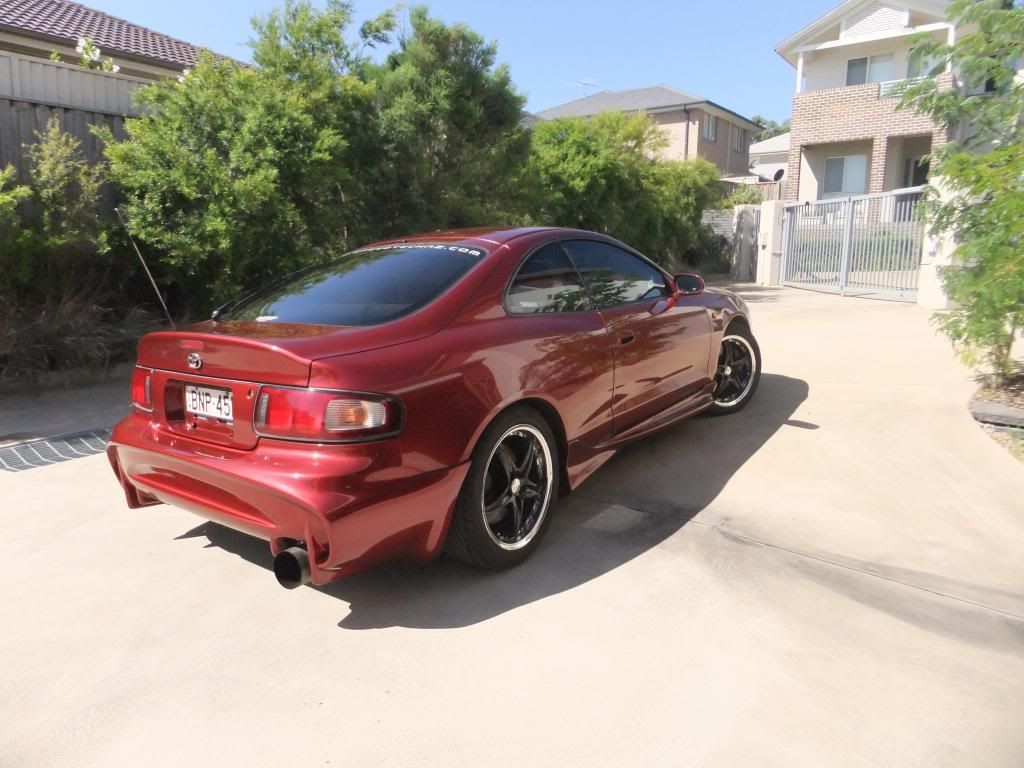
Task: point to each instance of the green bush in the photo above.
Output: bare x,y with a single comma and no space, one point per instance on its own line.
57,272
230,180
67,189
56,248
11,196
602,174
449,148
708,252
739,194
981,200
236,175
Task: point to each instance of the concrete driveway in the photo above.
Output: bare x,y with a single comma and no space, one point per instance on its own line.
833,577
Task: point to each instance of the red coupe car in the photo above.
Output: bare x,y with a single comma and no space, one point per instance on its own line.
433,393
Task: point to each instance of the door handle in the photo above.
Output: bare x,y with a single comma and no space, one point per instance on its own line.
628,338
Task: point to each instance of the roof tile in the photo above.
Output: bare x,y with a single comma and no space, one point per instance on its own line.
66,22
631,100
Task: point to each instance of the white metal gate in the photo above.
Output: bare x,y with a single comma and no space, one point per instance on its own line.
869,245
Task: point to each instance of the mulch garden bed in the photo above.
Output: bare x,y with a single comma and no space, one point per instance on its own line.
1012,395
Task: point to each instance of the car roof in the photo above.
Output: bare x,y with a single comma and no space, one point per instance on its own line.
485,236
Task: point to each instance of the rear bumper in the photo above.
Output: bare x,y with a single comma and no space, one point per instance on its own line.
352,505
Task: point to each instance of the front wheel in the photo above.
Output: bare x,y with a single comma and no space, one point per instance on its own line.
502,510
738,372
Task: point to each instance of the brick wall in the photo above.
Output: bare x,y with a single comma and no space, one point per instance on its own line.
854,113
681,146
720,151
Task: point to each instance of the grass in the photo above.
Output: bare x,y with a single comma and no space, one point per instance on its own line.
1011,438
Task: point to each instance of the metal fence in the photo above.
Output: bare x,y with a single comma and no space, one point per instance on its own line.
69,86
869,245
32,91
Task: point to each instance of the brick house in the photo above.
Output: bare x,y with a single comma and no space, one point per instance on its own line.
847,136
694,126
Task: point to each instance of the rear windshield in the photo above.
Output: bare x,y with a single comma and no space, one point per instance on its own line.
365,287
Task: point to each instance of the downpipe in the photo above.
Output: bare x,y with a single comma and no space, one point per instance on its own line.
291,567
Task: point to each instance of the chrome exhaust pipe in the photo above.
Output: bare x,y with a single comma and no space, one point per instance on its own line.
291,567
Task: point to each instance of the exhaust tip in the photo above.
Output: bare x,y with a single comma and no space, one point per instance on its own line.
291,567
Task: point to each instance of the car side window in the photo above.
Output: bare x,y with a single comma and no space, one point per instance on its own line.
547,282
614,276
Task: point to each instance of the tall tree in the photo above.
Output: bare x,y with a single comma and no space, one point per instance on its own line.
451,147
603,174
237,174
769,128
980,195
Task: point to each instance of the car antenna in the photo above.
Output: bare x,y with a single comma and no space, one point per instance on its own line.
149,274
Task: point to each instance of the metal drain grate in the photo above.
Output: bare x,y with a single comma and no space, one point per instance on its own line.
40,453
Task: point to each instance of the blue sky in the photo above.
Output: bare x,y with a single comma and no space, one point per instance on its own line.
720,50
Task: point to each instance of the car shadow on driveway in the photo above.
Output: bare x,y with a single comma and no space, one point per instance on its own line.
639,499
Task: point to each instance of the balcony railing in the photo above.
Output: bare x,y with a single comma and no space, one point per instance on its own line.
891,89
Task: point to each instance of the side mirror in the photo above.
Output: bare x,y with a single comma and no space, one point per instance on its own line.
689,284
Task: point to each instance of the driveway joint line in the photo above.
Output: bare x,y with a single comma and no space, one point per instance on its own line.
722,529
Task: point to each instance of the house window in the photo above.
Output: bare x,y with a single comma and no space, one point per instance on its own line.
919,65
869,69
739,139
845,176
915,171
710,127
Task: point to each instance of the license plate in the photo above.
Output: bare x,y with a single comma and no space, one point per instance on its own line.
215,403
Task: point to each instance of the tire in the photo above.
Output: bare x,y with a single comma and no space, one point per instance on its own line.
486,533
733,391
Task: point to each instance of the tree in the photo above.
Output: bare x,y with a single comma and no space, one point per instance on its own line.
980,196
769,128
67,188
46,254
11,196
451,149
603,174
237,175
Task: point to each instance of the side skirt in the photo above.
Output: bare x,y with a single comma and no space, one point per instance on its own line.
584,460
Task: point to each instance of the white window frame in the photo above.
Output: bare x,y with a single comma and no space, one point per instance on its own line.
870,59
846,191
739,139
710,127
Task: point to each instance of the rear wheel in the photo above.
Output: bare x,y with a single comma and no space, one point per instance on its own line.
503,507
739,370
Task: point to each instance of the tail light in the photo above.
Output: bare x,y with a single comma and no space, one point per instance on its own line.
142,386
324,416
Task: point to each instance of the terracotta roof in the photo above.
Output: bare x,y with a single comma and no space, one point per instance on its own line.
65,22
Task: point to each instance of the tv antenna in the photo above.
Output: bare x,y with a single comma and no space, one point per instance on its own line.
145,267
586,83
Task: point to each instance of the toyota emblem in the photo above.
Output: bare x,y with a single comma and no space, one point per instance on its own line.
195,362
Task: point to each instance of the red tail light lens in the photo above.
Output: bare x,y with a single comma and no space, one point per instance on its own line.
142,385
324,416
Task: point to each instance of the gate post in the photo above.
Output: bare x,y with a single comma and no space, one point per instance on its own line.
844,261
771,241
